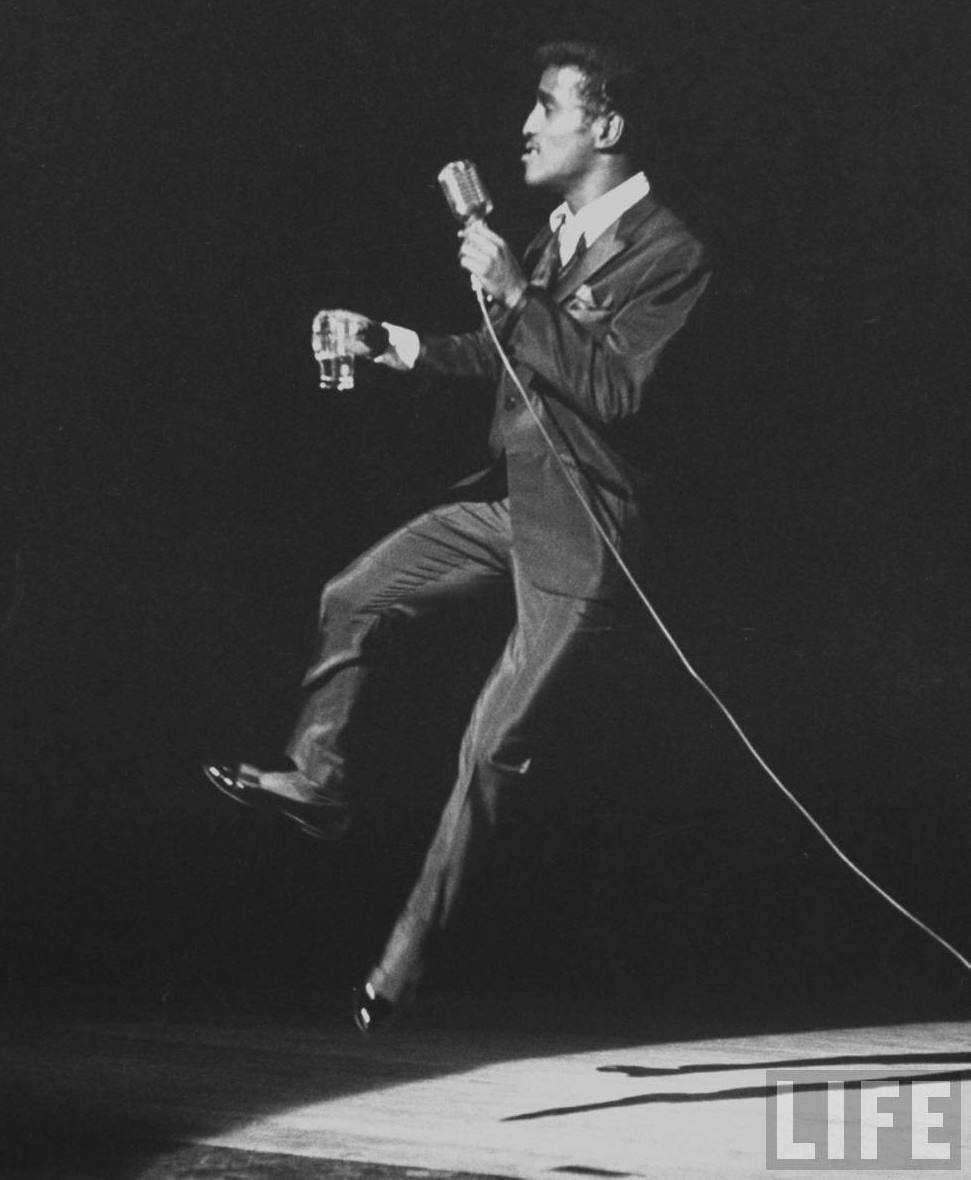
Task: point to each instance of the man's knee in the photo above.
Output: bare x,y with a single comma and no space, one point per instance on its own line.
357,591
340,596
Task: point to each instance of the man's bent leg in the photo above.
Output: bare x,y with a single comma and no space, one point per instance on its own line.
450,553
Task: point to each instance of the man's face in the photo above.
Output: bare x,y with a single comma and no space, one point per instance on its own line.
558,135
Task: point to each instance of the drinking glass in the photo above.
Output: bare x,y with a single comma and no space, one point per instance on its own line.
332,334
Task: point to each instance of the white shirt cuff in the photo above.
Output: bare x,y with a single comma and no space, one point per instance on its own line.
403,348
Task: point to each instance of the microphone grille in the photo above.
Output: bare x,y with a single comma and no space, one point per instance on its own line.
463,188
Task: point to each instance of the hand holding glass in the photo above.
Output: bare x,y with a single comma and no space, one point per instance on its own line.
335,345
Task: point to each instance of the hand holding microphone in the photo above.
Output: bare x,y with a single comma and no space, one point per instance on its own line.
486,256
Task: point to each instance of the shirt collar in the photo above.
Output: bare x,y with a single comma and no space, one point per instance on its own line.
593,219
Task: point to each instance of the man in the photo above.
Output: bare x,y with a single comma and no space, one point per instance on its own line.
612,279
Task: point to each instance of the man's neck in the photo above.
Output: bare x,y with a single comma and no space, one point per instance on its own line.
613,172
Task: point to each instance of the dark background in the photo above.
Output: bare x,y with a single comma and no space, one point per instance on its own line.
187,183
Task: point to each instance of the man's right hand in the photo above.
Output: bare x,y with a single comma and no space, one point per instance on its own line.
366,338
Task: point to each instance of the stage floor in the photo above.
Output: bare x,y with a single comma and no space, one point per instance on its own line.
87,1096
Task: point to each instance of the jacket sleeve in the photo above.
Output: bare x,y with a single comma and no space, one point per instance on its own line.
603,371
471,354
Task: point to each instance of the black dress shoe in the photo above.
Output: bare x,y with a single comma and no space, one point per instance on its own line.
372,1012
327,819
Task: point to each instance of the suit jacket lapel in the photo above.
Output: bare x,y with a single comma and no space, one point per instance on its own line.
535,250
610,243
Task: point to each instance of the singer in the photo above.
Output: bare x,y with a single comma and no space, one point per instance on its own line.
584,319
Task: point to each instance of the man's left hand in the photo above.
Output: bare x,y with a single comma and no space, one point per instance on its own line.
488,258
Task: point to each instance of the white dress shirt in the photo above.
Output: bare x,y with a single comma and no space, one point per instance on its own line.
591,221
594,219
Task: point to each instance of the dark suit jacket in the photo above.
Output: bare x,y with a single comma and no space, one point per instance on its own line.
586,352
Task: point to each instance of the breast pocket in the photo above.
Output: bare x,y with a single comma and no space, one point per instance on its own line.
592,317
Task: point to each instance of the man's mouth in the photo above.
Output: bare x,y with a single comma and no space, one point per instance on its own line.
529,150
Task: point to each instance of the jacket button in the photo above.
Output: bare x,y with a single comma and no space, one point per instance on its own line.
511,401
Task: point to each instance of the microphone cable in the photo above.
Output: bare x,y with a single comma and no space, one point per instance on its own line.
709,691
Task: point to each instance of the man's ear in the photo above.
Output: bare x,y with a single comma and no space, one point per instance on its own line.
610,130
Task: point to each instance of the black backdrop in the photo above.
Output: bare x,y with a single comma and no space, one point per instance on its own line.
187,183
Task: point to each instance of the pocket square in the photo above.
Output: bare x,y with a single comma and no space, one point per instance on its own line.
584,300
584,297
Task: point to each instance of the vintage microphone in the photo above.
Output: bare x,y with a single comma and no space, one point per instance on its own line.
467,197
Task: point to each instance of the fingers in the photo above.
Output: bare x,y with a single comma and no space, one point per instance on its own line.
353,318
481,247
374,337
481,250
488,258
479,231
476,258
340,329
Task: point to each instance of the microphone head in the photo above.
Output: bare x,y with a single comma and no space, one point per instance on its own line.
466,194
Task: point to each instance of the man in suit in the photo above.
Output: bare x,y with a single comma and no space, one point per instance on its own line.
583,321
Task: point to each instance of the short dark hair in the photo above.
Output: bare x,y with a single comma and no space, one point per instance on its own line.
612,81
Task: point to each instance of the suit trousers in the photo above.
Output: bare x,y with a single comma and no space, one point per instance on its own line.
454,552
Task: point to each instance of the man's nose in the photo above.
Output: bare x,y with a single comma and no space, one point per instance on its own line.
529,127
